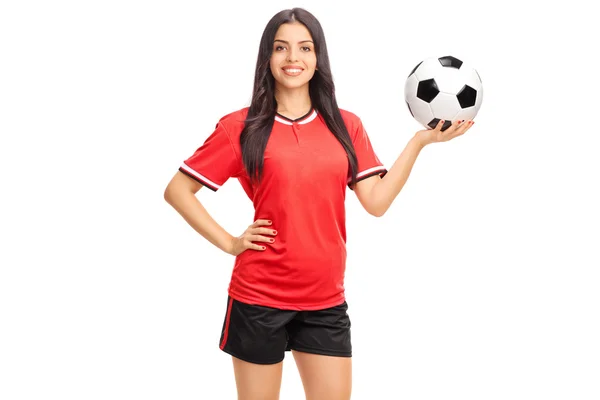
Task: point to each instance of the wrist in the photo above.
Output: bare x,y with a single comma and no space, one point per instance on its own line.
227,245
418,142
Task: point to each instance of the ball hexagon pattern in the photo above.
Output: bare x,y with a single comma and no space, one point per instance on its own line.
443,88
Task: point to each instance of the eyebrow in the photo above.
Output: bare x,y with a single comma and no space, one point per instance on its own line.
302,41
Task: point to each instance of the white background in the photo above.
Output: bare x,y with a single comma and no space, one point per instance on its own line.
481,281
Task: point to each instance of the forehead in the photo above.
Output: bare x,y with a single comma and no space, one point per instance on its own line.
293,31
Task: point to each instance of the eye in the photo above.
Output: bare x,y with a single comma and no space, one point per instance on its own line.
279,48
306,48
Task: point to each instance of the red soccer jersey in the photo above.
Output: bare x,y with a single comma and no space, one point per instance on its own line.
303,191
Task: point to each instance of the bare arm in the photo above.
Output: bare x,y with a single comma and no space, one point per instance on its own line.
377,194
181,195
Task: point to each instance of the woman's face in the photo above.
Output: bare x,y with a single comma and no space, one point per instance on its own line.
293,61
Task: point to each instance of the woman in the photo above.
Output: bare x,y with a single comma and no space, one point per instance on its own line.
294,153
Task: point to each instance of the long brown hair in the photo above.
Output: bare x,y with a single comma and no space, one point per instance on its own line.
263,106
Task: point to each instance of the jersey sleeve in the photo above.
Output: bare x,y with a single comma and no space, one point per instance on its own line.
213,163
368,162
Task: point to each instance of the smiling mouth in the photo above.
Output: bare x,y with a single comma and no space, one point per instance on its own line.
292,71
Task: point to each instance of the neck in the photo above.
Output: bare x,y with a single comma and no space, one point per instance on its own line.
293,103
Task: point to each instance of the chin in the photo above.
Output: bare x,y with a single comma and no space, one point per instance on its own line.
292,85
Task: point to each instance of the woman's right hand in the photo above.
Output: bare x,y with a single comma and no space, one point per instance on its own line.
254,233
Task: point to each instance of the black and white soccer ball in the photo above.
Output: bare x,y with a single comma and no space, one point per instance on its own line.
443,88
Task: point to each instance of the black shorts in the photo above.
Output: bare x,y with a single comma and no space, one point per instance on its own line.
262,335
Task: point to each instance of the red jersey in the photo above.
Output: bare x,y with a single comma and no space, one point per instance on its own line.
302,192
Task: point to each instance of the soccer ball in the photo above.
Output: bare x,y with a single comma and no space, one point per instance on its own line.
443,88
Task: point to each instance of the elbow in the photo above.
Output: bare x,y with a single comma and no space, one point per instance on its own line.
175,192
374,207
377,211
168,194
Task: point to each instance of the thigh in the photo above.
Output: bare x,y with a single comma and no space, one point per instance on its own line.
324,377
321,344
325,332
255,334
256,381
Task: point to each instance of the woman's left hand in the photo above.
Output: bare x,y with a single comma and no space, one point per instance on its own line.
436,135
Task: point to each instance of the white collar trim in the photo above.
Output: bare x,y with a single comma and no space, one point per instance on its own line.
306,120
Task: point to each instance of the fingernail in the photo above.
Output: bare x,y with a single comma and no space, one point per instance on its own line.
274,232
271,240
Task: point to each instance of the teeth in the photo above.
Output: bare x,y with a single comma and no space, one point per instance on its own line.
293,71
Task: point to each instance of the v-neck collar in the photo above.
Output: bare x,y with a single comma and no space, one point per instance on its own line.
305,119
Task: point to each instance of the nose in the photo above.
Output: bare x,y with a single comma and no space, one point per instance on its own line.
292,57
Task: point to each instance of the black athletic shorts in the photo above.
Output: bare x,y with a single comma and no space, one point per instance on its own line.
262,335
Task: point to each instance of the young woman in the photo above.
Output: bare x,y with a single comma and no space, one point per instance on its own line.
294,153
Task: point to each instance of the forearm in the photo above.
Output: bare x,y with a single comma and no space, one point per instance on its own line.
385,191
194,213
